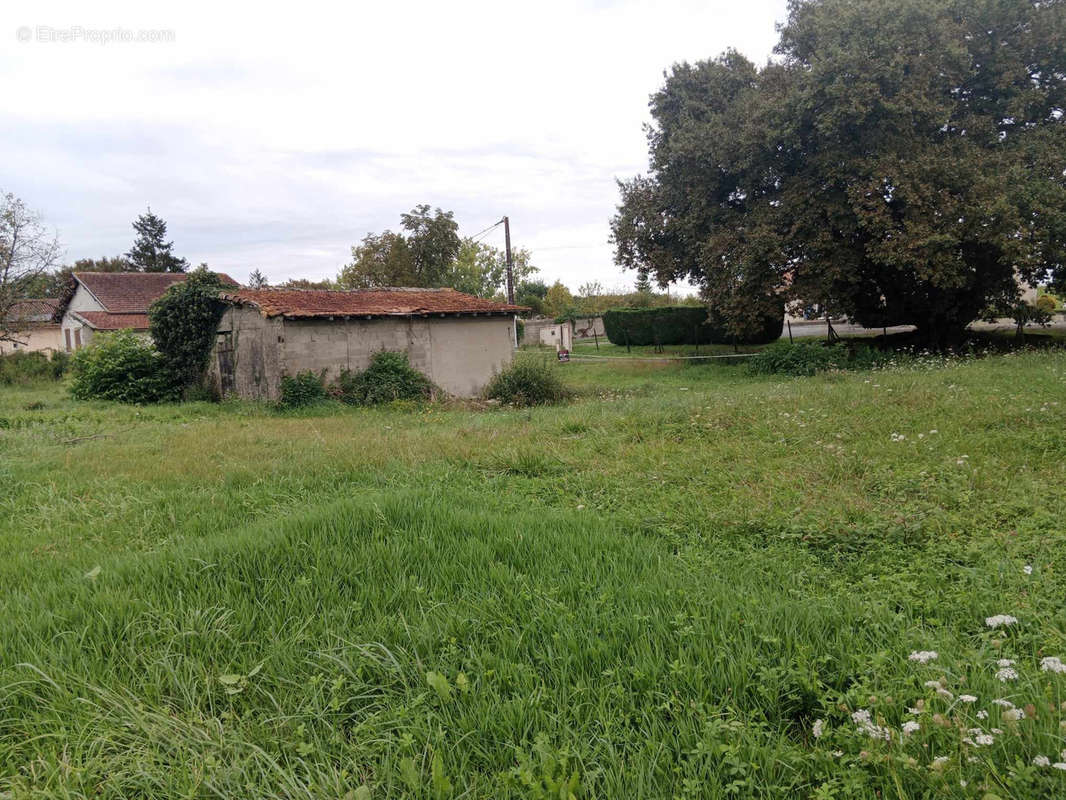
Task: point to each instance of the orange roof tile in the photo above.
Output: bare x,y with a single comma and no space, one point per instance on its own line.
385,302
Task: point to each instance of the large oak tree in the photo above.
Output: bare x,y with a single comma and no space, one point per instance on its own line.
900,162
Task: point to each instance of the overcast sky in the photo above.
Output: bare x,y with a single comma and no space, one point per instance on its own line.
277,138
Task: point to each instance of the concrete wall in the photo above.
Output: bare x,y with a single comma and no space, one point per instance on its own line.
39,337
459,354
256,343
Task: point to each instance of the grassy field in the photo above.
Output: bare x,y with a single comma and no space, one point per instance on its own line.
687,583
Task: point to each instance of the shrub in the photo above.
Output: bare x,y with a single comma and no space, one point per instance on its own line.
389,377
520,330
302,389
184,322
1045,303
22,368
803,358
121,366
527,383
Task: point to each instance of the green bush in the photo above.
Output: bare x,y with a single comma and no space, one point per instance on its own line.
302,389
389,377
1046,303
527,383
520,330
121,366
21,368
803,358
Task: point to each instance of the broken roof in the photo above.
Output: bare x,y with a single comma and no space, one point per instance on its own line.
384,302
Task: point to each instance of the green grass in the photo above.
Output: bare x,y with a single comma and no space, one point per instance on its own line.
654,591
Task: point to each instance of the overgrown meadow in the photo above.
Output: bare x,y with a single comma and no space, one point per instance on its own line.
687,582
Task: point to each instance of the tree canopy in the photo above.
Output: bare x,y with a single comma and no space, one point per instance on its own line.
901,163
421,256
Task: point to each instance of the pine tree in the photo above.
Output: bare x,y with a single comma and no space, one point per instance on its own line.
151,252
257,280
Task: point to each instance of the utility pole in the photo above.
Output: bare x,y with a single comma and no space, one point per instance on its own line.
510,266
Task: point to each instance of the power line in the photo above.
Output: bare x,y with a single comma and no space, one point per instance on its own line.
481,233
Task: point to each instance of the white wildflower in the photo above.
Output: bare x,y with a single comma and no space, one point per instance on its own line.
932,685
939,762
1013,714
1000,620
818,728
1052,664
982,714
910,726
1007,674
999,701
1028,569
1005,662
1059,765
923,656
866,725
967,698
1041,761
997,731
942,692
984,739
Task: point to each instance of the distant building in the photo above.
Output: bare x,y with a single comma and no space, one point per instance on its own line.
32,321
457,340
113,301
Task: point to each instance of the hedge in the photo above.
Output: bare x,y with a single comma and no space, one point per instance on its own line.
680,325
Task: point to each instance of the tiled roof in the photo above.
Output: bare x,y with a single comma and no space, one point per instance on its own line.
36,310
387,302
106,321
132,292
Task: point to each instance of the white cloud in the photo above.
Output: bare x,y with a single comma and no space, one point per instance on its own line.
276,138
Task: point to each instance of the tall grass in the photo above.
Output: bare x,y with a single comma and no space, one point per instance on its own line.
655,591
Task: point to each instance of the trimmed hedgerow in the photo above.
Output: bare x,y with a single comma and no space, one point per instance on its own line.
671,325
389,377
121,366
663,326
527,383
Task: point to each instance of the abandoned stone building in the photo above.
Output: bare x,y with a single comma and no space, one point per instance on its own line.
457,340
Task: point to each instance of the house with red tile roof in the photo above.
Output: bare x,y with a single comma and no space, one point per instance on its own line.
32,323
457,340
113,301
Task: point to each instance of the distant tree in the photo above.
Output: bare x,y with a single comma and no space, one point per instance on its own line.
151,252
433,240
901,162
103,264
422,256
557,300
27,251
257,280
379,260
531,293
304,283
481,269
